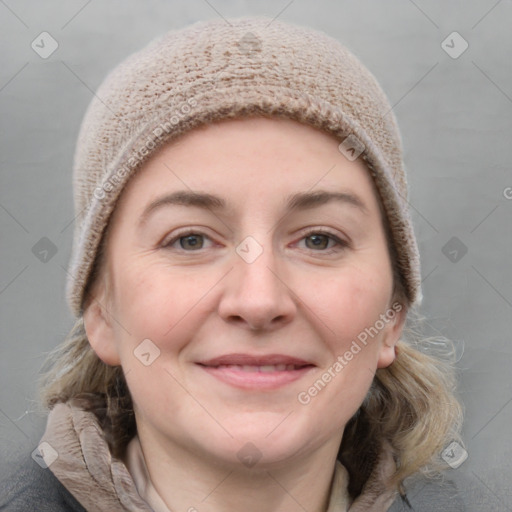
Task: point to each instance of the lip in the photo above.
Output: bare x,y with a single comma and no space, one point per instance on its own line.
246,371
255,360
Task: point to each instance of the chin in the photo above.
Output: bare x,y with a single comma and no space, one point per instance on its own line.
262,442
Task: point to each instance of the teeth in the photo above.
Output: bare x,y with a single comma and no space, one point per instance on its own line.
266,368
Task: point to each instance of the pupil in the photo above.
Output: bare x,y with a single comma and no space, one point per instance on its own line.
319,240
191,242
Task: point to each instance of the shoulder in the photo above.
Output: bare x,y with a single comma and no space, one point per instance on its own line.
28,486
426,495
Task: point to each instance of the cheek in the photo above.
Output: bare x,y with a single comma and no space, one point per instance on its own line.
351,302
346,308
157,303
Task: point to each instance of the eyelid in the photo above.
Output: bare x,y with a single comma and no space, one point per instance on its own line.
322,231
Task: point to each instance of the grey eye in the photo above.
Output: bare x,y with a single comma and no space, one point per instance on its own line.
317,241
192,242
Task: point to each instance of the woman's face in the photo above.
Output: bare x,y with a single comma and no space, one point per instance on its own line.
249,293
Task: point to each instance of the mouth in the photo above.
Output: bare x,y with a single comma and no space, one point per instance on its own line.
256,372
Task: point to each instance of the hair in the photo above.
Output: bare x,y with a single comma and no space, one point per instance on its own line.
411,405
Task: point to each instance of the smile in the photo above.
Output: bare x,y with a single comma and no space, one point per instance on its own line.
256,372
264,368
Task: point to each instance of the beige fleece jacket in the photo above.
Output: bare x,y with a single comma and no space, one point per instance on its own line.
100,482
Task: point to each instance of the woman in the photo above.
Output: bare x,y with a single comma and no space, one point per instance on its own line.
243,267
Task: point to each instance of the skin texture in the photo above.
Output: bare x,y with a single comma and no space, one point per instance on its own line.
305,296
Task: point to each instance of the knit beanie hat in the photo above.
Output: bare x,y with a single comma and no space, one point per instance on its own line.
223,69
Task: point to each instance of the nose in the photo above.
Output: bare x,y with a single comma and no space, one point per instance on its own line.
256,296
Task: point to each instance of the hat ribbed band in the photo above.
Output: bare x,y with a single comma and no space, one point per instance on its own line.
211,71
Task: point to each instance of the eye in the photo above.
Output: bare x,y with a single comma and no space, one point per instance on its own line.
321,241
317,241
189,241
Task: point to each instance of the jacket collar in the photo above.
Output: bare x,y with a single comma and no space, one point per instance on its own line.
100,482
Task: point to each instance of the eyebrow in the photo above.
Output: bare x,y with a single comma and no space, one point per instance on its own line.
298,201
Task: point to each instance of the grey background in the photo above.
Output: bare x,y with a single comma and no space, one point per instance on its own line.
456,120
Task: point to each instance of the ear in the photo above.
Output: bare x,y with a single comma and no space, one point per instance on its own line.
391,335
99,327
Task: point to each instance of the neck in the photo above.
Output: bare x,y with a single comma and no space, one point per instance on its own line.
188,481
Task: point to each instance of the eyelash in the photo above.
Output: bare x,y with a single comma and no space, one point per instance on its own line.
341,244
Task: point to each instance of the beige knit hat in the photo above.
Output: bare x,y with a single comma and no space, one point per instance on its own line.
223,69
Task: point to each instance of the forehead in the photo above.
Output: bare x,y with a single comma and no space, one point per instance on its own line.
250,162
